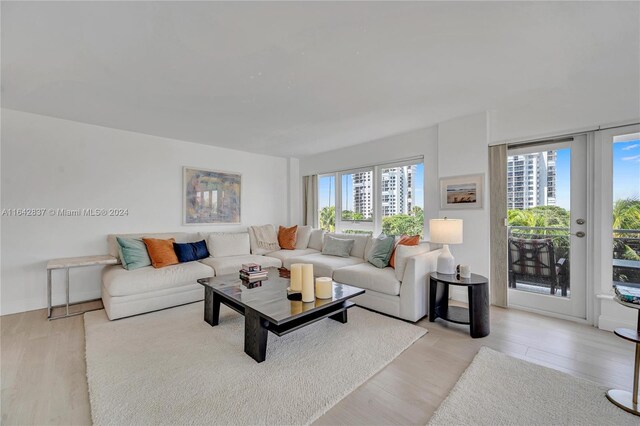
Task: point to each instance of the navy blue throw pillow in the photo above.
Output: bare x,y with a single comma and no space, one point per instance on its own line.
188,252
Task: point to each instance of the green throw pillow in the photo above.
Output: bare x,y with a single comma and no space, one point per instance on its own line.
337,246
133,253
380,252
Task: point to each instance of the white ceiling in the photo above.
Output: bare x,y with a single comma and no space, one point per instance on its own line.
294,79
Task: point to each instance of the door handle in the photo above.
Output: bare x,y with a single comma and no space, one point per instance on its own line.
580,221
579,234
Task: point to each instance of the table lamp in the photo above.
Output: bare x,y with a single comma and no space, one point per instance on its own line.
446,231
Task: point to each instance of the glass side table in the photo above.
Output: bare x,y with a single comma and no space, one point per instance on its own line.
626,400
66,264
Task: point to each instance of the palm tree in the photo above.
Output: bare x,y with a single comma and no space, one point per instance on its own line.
328,218
626,213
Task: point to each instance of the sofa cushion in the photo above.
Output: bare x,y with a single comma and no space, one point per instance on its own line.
405,240
117,281
315,239
287,237
403,253
359,242
224,244
133,253
381,251
369,277
287,254
180,237
161,252
302,238
337,246
188,252
233,264
323,266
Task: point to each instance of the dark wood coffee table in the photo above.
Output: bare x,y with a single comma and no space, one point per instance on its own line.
267,307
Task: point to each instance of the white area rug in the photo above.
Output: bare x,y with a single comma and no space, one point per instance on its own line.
497,389
170,367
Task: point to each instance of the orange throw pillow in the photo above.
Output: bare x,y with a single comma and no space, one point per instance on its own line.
287,237
161,252
405,240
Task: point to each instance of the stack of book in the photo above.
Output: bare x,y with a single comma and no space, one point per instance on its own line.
628,294
252,272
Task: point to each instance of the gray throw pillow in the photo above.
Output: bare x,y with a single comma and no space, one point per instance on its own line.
337,246
380,252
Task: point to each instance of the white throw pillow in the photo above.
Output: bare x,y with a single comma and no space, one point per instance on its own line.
225,244
315,240
403,253
302,237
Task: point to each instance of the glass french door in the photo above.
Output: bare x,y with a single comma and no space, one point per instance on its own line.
547,229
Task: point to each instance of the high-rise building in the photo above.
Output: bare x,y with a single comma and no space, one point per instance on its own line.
362,194
531,180
397,191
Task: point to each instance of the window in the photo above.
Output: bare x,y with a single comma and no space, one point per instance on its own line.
387,198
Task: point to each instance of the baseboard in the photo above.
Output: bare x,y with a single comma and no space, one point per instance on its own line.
613,315
611,323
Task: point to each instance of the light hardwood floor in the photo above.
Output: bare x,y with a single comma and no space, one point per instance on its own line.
43,368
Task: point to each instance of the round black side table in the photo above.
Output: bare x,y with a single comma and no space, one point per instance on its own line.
477,316
628,401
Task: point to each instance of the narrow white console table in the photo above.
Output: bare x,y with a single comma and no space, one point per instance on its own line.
66,264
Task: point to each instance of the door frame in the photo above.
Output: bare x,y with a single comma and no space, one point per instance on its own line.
587,175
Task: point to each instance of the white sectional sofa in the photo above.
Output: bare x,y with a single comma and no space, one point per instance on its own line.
398,292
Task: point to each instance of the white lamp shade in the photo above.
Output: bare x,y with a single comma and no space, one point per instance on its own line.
446,231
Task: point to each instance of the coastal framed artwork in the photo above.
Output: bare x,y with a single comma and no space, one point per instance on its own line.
210,197
462,192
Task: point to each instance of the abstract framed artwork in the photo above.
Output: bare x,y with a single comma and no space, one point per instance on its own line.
462,192
210,197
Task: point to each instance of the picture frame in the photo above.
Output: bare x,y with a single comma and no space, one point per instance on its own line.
462,192
211,197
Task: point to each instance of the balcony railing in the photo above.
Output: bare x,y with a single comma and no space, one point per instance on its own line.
626,256
625,250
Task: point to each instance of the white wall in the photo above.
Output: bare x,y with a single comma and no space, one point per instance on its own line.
53,163
462,150
406,145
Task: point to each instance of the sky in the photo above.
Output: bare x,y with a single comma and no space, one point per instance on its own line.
563,178
326,190
626,169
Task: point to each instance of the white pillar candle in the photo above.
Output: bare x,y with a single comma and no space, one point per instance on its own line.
324,288
296,277
308,293
465,271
